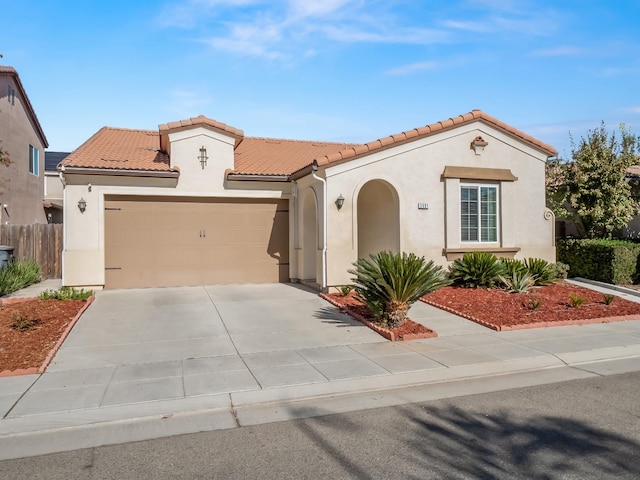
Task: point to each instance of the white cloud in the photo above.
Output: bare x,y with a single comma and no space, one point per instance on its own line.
296,29
316,8
633,109
413,68
561,51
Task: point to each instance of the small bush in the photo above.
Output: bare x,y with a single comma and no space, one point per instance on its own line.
562,270
543,272
22,322
576,300
66,293
520,281
608,299
534,304
477,269
18,274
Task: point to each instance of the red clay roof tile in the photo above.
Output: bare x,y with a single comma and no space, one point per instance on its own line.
116,148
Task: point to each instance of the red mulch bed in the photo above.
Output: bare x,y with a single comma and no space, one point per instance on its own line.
500,310
30,348
352,305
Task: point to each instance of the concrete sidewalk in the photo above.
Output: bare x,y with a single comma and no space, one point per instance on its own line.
149,363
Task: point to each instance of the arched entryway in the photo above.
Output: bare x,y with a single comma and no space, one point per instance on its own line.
309,237
378,218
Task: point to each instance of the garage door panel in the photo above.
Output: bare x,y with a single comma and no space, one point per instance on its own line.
153,242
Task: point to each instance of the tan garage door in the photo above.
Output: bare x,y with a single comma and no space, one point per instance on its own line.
158,241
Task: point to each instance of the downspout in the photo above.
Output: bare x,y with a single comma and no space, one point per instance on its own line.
314,169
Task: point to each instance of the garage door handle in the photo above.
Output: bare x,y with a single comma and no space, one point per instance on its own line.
203,233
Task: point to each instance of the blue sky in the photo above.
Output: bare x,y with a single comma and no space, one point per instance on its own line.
335,70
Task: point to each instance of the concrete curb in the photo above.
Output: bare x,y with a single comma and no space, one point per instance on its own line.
609,286
243,409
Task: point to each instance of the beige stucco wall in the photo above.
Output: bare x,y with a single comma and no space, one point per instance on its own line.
23,192
83,255
415,170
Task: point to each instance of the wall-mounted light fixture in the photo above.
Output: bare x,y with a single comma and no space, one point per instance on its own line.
478,145
82,205
340,202
203,156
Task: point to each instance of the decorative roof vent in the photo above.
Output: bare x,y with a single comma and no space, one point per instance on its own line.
478,145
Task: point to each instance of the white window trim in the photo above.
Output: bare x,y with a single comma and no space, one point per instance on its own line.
36,163
498,210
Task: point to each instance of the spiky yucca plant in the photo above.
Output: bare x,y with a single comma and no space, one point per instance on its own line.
388,283
477,270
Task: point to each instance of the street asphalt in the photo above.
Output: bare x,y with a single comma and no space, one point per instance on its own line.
150,363
582,429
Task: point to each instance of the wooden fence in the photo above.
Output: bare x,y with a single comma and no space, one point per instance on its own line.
42,242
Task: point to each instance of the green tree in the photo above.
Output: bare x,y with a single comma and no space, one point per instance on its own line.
592,188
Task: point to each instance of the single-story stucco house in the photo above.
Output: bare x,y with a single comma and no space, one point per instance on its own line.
196,202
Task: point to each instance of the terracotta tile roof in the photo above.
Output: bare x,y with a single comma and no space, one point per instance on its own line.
271,156
10,71
120,149
410,135
123,149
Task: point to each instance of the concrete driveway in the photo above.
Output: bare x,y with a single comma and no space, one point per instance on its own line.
131,327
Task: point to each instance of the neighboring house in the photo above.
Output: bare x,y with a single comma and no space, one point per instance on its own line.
22,138
197,202
53,189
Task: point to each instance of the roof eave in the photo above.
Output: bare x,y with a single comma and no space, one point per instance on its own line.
28,105
119,172
246,177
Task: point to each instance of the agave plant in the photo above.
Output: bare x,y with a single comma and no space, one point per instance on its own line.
477,269
520,281
388,283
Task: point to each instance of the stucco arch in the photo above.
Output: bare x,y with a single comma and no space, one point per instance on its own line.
378,218
309,236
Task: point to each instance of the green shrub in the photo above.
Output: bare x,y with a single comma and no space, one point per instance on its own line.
576,300
344,289
388,283
543,272
534,304
512,266
18,274
66,293
519,281
608,299
477,269
610,261
562,270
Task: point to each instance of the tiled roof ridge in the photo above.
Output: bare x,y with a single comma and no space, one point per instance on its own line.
200,120
443,125
122,129
293,140
7,70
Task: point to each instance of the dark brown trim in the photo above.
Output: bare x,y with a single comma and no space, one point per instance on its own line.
120,173
479,173
257,177
456,253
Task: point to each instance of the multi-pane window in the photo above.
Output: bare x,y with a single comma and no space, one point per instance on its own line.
34,160
479,213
